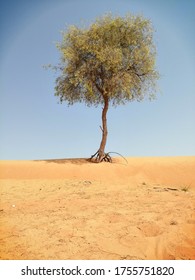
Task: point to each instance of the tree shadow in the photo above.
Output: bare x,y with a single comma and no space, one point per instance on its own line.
77,161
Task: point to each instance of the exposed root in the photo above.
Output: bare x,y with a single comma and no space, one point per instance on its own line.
99,157
119,155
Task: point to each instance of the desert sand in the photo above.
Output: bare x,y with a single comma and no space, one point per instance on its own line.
74,209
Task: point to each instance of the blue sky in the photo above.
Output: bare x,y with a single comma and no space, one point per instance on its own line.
33,125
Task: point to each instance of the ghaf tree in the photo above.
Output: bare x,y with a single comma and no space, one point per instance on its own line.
109,63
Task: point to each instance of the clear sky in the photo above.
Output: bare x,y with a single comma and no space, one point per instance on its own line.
33,125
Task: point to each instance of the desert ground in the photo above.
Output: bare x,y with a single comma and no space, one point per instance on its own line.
74,209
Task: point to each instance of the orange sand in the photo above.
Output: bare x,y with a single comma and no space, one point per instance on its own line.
74,209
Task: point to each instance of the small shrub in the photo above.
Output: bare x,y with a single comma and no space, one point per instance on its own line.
185,189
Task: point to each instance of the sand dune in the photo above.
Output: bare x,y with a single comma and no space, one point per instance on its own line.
74,209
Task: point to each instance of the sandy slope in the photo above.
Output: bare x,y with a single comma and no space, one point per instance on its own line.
73,209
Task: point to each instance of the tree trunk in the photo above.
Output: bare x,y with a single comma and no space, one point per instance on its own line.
101,151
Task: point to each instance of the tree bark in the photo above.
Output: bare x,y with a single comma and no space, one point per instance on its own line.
101,151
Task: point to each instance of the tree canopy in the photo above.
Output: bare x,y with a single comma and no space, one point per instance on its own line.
114,58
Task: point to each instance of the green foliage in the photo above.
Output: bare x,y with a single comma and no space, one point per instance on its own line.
113,58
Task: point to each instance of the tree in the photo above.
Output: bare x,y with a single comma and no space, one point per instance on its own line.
110,62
